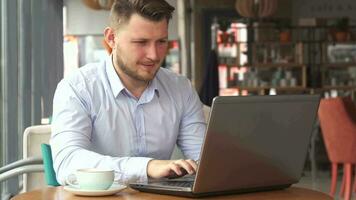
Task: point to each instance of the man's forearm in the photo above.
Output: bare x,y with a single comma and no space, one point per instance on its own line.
127,169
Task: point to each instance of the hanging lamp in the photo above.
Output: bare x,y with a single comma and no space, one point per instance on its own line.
99,4
256,8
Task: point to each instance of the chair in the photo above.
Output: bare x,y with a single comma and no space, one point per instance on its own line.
50,174
206,111
337,118
33,137
33,164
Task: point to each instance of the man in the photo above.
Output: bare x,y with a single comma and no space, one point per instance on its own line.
127,113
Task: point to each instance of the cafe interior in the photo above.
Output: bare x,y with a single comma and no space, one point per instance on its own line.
224,47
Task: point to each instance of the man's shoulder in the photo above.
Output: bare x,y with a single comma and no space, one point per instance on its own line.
87,74
175,85
168,76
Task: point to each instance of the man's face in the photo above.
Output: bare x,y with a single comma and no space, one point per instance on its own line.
139,48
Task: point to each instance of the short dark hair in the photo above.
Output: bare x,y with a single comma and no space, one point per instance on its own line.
154,10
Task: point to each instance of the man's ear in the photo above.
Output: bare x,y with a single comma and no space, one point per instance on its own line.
109,35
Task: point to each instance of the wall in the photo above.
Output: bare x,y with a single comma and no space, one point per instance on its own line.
81,20
324,8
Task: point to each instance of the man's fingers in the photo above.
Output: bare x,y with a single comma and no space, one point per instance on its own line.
193,164
186,165
176,168
170,168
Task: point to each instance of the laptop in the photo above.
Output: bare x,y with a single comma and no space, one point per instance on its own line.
252,143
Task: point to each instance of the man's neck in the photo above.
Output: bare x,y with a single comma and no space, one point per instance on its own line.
134,86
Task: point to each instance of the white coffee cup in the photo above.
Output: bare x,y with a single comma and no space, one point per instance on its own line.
91,179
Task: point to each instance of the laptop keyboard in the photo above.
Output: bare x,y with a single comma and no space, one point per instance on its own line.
179,183
173,184
183,182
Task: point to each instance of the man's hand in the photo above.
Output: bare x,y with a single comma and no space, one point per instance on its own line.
169,168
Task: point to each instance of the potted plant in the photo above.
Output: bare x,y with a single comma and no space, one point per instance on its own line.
284,28
341,30
224,36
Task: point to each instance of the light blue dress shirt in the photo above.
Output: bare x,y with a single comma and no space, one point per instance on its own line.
98,123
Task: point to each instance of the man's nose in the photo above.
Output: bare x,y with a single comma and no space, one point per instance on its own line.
152,52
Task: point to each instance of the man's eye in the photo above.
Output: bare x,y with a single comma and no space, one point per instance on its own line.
139,42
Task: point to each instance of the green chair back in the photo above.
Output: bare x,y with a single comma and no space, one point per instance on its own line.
50,175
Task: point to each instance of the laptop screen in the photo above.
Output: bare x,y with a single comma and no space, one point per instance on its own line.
255,141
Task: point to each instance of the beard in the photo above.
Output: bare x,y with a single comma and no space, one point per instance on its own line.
132,72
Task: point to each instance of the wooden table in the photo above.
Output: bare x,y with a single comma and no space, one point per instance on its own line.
57,193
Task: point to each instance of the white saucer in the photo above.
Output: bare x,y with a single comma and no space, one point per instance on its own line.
115,188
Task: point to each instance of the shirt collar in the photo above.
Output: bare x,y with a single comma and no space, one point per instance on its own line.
154,84
114,80
116,84
150,92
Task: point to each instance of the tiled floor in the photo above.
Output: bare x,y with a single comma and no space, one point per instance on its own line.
322,183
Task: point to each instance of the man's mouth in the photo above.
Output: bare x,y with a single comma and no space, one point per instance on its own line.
148,65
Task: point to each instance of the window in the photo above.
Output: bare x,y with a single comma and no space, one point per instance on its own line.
31,66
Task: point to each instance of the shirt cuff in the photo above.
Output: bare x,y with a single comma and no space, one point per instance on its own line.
136,170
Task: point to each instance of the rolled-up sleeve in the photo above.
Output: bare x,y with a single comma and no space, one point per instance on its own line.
71,139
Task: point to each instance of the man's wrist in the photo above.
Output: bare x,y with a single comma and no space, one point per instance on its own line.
149,167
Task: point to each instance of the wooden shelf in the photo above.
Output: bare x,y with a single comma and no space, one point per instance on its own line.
293,42
336,42
325,87
267,42
309,51
296,88
269,65
339,65
275,65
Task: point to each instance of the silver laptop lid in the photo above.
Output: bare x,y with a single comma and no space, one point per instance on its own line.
265,139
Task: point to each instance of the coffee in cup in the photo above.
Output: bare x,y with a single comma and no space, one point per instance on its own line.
92,179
